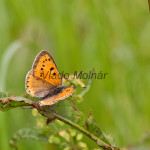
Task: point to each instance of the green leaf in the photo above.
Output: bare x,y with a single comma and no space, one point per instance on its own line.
33,133
65,112
9,101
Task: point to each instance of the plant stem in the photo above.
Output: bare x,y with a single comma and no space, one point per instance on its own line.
89,134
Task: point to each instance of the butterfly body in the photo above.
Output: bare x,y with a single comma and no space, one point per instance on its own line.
44,80
55,91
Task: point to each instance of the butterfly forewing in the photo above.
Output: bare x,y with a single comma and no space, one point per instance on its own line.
45,68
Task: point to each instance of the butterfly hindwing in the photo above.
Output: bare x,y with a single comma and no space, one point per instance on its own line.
36,87
57,97
45,68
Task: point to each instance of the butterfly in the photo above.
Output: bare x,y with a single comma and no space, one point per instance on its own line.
44,80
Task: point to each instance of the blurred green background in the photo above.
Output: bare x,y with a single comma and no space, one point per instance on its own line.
110,36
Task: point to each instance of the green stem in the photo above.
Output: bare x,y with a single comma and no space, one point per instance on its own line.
98,141
86,132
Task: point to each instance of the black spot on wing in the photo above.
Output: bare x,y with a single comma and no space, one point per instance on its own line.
51,69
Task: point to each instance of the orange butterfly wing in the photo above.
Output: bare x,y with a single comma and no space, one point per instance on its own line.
36,87
45,68
44,79
54,99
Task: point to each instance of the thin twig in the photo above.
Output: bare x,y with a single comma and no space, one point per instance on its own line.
86,89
